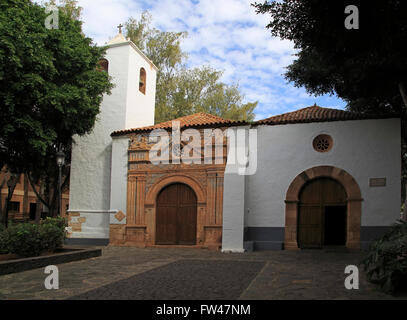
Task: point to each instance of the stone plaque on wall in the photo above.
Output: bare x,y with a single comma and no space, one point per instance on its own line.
377,182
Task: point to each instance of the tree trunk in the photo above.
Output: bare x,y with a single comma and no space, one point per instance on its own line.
403,92
38,209
3,182
40,194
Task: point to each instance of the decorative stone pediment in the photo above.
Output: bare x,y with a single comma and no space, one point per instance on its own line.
139,142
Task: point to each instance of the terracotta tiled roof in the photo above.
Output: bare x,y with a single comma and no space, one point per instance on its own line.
196,120
318,114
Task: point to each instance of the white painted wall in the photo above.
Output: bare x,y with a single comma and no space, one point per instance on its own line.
125,108
364,148
233,213
118,191
234,195
140,107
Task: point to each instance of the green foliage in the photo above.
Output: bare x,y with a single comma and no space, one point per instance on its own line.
386,262
4,241
24,240
50,88
182,91
30,240
52,233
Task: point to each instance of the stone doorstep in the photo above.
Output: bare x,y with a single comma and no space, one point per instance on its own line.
77,253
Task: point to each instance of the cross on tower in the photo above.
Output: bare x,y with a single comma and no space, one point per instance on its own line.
120,26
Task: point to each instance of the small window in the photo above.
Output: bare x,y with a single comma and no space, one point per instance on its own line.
104,65
14,206
142,82
323,143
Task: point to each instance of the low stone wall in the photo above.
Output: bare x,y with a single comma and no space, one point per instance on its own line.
69,255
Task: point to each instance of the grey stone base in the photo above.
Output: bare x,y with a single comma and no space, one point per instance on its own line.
272,238
370,234
268,245
87,242
264,238
248,246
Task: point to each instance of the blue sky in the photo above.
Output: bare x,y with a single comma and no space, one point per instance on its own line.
224,34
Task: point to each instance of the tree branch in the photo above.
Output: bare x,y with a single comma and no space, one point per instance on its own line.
35,191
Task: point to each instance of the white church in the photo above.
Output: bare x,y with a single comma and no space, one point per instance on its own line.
320,177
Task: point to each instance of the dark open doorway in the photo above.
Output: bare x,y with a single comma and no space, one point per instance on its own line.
33,209
335,226
322,214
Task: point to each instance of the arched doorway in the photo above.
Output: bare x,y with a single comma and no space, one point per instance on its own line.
176,218
353,204
322,214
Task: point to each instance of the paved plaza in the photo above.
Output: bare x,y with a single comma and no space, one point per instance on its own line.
197,274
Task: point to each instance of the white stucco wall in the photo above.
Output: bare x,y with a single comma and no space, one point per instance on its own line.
118,192
140,107
233,213
234,194
125,108
364,148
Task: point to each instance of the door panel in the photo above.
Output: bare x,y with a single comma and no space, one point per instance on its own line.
310,226
176,216
314,198
167,225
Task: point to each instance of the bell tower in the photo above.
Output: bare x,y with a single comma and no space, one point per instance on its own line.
130,105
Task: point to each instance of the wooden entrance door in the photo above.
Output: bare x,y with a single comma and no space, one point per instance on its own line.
315,198
176,216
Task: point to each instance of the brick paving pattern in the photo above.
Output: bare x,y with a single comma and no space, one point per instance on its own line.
182,280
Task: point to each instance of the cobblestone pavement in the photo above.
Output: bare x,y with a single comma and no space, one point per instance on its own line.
183,280
167,273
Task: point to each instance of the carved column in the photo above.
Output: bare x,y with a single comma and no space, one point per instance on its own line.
219,199
211,199
131,200
141,187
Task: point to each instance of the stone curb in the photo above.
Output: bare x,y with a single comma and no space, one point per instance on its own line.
20,265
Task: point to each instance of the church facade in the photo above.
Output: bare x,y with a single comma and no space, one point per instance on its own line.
310,178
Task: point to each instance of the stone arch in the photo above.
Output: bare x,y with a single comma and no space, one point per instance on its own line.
176,178
143,80
354,204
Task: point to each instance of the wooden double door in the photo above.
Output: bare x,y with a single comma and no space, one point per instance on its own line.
322,214
176,219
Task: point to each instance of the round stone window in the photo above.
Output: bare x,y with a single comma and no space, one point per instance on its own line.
323,143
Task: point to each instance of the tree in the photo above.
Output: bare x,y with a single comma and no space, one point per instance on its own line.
50,86
366,67
182,91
